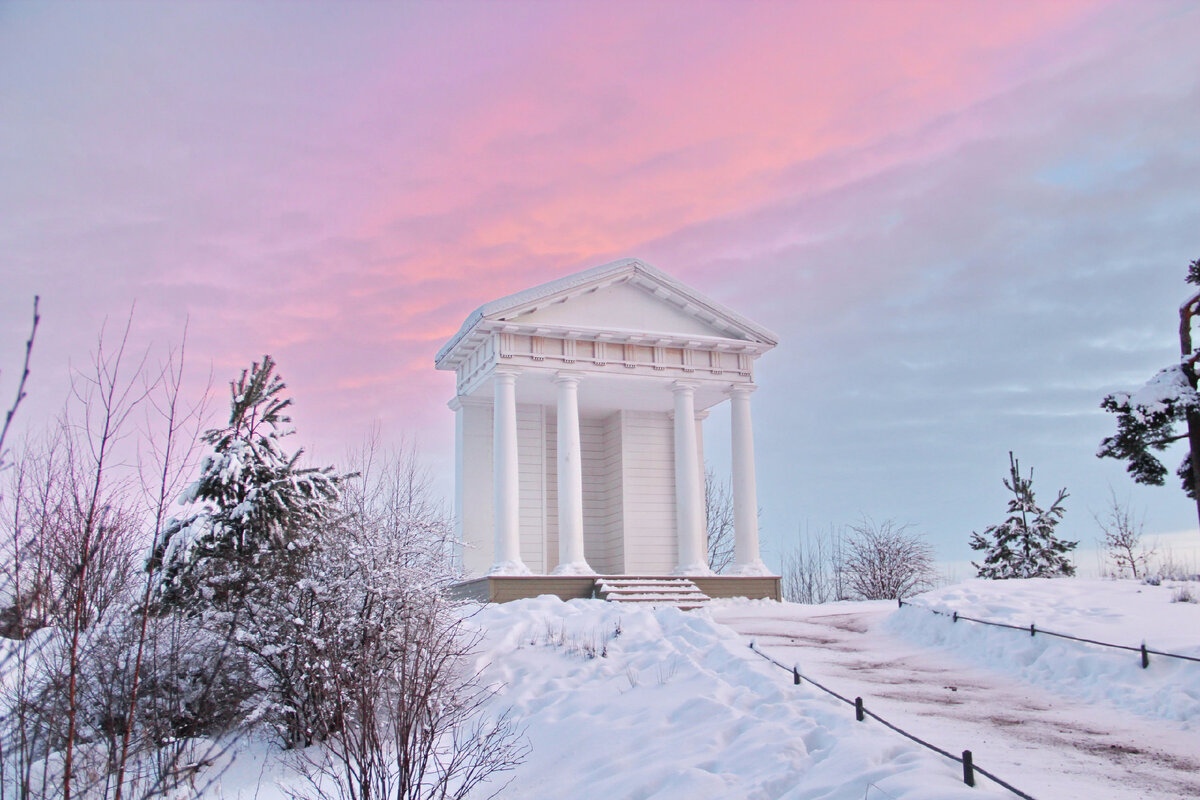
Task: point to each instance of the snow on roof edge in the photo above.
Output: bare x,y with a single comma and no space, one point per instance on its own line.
590,275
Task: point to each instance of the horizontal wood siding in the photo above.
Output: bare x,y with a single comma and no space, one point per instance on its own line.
531,452
473,491
648,484
598,503
614,535
722,586
551,490
502,589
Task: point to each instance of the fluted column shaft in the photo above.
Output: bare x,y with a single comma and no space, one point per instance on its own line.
507,497
689,497
571,560
746,560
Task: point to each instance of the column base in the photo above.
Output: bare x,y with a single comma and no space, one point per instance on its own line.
699,569
756,569
509,568
574,568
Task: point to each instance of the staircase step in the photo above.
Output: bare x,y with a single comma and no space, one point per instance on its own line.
651,591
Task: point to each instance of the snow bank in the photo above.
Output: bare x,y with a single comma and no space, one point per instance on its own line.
624,702
1121,612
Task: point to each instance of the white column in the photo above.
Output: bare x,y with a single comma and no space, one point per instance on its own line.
746,559
689,499
571,560
506,483
700,417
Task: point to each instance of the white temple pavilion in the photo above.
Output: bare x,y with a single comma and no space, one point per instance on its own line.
579,448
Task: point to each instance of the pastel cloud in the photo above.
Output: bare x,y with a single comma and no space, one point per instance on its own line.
340,184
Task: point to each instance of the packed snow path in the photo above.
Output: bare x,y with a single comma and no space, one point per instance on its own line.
1051,747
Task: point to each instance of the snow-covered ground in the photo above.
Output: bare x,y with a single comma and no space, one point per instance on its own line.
1121,612
1058,719
677,706
624,702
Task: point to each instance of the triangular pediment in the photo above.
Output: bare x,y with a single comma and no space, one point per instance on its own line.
621,306
626,296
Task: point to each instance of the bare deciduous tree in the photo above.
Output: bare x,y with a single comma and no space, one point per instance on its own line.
408,713
1122,537
885,561
811,571
718,512
75,719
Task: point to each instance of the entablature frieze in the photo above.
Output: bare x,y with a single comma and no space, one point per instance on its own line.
628,352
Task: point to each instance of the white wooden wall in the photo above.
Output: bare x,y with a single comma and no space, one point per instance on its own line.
473,487
531,454
608,542
648,478
628,490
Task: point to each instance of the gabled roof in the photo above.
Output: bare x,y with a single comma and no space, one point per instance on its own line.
668,289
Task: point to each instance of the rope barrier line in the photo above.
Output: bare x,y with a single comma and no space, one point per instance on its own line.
969,767
1033,629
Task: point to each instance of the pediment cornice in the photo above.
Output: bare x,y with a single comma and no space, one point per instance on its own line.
505,315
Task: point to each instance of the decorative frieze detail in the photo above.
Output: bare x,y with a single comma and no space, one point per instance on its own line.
508,344
689,360
646,356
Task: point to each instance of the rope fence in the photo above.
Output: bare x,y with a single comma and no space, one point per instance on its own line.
861,712
1033,630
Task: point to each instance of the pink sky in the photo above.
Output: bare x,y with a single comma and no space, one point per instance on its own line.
340,184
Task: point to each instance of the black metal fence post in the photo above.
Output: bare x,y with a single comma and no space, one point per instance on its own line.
858,709
968,768
1145,657
796,675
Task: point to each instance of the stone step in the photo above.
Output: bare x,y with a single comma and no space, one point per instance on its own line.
652,591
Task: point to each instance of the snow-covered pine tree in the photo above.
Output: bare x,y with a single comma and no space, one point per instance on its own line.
1146,418
251,506
1024,545
240,562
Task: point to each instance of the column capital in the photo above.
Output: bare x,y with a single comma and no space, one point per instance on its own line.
740,389
568,376
506,373
684,386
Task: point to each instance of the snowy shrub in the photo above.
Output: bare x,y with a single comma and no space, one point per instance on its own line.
80,694
1183,594
401,699
885,561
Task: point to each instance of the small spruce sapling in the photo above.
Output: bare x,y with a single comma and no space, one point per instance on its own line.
1024,545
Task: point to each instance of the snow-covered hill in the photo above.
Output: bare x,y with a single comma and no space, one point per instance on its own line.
1121,612
622,702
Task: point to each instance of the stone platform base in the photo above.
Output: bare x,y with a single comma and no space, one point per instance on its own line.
503,588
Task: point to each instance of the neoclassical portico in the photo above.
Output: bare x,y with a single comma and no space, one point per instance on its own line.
579,444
